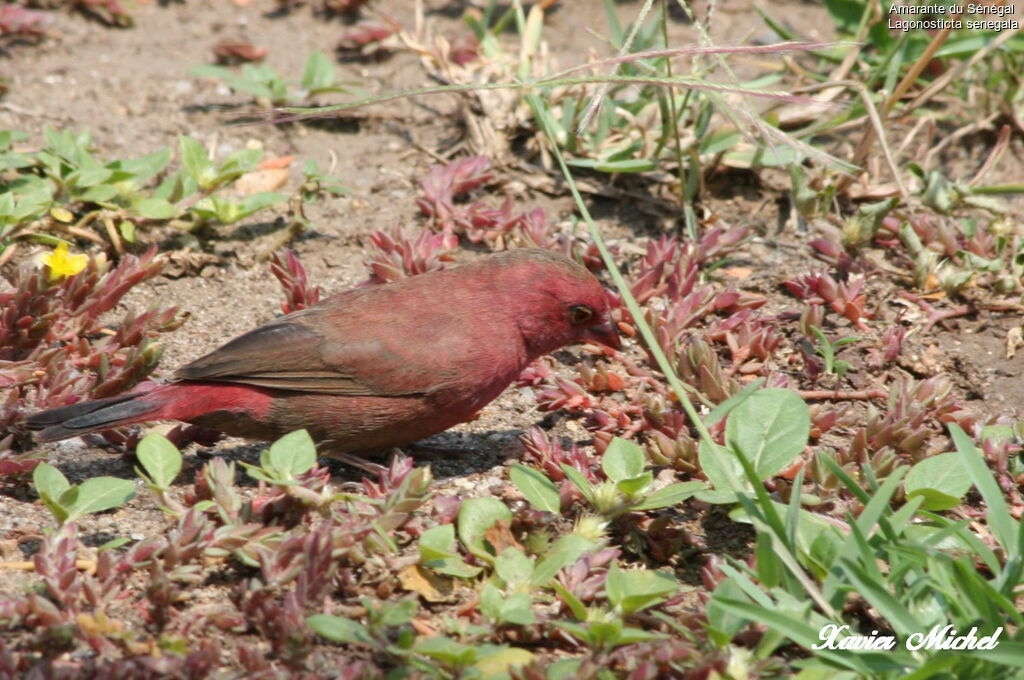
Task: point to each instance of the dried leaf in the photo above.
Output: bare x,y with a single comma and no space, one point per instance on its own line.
428,585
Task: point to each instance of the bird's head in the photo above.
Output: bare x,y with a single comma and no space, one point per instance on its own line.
562,303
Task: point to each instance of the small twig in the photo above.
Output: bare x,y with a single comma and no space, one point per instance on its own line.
942,81
29,565
115,238
8,254
997,151
934,315
957,135
870,134
915,70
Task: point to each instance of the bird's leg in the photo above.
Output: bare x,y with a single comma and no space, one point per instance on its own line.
359,462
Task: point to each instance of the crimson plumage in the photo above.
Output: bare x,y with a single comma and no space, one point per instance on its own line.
374,367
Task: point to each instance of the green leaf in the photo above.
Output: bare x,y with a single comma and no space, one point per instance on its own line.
398,613
633,487
941,479
565,551
436,553
253,204
337,629
196,163
446,650
722,468
127,230
535,486
50,481
624,165
318,73
147,166
513,567
578,480
771,428
497,664
633,590
622,460
1004,527
292,454
160,459
672,494
154,208
726,407
98,494
476,516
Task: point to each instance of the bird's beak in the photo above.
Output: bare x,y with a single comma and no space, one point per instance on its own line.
603,334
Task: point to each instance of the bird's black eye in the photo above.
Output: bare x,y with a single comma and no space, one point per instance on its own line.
579,314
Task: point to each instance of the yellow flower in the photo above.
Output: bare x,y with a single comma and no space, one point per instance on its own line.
62,264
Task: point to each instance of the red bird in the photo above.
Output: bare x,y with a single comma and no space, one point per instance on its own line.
374,367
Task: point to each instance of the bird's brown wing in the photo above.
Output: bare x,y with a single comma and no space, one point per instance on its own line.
288,354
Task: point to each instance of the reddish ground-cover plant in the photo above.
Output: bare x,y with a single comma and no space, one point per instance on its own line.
299,294
17,21
58,347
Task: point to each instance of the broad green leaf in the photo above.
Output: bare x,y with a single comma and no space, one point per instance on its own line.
50,481
147,166
337,629
476,516
255,203
196,163
578,480
98,494
535,486
498,663
437,553
633,487
771,428
722,468
155,209
941,479
446,650
318,73
293,454
622,460
159,458
127,230
565,551
398,613
673,494
634,589
513,567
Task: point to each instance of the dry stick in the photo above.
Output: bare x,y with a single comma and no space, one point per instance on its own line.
108,224
916,70
868,139
864,146
8,254
955,72
957,135
83,565
829,88
920,125
935,316
602,92
997,151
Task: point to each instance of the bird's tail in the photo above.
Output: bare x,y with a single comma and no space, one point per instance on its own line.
92,416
